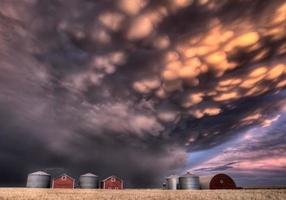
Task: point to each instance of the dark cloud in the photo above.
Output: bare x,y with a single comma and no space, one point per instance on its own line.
130,88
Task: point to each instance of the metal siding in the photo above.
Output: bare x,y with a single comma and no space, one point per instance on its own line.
88,181
38,181
189,181
171,182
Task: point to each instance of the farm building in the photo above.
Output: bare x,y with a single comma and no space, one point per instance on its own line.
112,182
189,181
218,181
88,181
38,179
63,181
171,182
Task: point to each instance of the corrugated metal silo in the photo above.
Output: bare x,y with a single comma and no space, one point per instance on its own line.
88,181
218,181
39,180
189,181
171,182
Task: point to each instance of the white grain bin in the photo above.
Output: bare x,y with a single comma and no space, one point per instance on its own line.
171,182
89,181
39,179
189,182
218,181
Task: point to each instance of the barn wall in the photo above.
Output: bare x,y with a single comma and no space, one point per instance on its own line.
109,184
67,183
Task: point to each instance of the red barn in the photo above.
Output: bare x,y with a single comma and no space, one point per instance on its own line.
63,181
112,182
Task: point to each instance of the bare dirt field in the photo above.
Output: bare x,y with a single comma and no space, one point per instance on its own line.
77,194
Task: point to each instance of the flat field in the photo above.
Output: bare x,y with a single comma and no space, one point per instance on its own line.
80,194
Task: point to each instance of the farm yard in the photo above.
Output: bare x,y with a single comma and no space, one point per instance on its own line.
156,194
142,99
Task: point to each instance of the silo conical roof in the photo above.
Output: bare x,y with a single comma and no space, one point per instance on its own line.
89,174
40,173
188,174
172,176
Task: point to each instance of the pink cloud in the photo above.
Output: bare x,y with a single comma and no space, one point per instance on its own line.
262,164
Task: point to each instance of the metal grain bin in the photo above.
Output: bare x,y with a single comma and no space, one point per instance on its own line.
88,181
39,180
171,182
189,181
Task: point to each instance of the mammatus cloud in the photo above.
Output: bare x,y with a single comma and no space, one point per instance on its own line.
131,87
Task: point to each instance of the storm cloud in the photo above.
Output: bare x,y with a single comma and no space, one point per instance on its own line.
131,88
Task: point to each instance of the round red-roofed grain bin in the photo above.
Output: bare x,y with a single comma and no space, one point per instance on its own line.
218,181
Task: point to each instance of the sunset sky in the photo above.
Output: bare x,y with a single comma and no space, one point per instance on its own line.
143,89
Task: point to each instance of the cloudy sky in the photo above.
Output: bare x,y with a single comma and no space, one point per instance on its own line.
143,89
